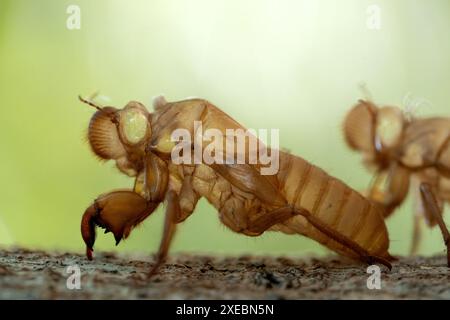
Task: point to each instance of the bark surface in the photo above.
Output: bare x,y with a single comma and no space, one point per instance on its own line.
28,274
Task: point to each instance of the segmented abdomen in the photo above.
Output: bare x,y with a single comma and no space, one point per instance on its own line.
339,207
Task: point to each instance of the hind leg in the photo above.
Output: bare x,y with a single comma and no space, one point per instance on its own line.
258,223
431,205
363,254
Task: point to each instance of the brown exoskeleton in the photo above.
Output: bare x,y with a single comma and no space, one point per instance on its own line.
405,153
300,198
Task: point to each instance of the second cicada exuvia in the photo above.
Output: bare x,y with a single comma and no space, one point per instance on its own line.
299,198
406,153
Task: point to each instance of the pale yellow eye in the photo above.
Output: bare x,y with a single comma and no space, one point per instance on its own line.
389,126
134,125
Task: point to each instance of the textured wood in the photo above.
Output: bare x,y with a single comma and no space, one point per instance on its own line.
40,275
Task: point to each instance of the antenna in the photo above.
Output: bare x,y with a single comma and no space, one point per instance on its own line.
89,102
365,91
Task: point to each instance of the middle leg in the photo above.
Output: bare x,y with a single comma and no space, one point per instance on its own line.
417,234
172,213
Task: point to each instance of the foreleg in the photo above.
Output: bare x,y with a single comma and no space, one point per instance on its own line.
396,191
117,212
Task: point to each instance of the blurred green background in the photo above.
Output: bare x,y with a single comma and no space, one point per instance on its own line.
293,65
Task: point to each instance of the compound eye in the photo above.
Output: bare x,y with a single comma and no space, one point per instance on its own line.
103,136
359,126
389,126
134,125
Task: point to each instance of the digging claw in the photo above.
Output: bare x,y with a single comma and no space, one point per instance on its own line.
117,212
89,252
88,229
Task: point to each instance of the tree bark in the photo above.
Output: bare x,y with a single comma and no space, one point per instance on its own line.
28,274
